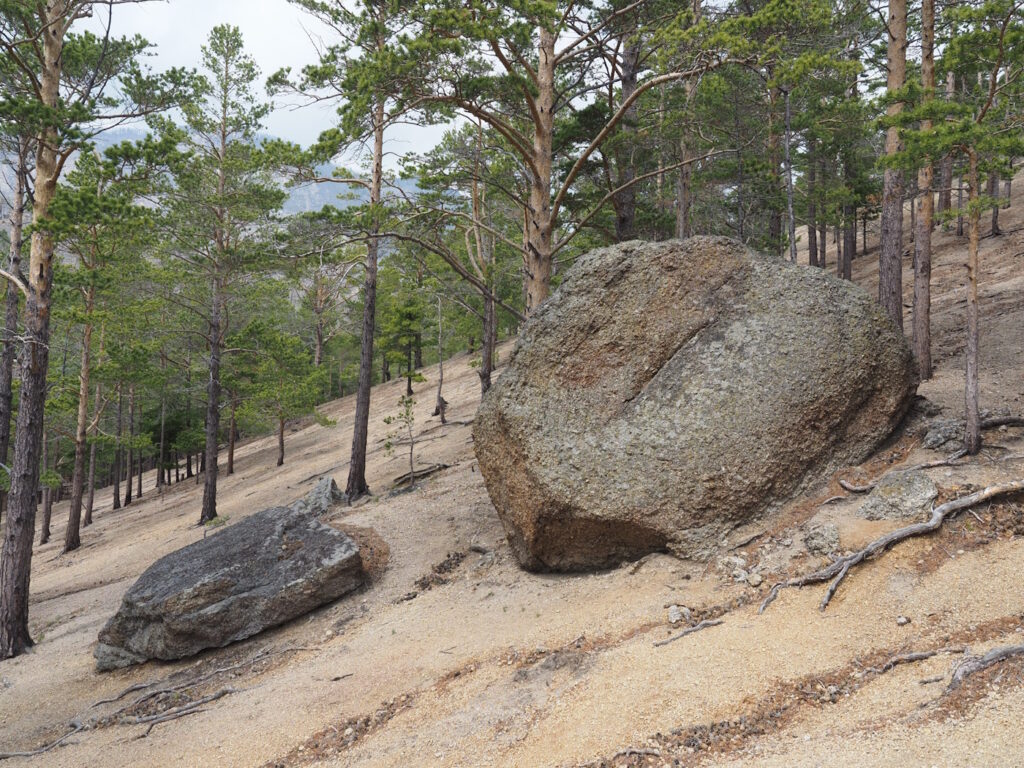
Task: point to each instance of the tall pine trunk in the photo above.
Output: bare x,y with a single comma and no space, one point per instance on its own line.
540,216
356,485
624,201
119,452
890,259
922,340
12,302
19,529
946,166
130,463
72,536
212,426
972,432
812,208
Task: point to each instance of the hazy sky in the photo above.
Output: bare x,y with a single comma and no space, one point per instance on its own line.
276,35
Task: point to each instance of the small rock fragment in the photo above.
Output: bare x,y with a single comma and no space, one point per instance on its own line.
822,539
902,621
754,579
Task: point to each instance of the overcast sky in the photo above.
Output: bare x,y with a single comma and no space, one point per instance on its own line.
276,35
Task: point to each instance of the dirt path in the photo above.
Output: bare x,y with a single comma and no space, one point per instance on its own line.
455,657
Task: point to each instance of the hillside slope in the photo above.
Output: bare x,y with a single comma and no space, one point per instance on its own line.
453,656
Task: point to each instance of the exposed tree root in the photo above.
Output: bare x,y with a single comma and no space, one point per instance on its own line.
689,631
837,571
193,707
847,486
972,664
910,658
76,727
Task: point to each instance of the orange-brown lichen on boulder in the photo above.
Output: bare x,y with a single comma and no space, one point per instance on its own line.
670,392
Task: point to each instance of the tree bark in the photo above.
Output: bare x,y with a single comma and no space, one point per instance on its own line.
12,301
19,530
356,485
922,341
972,432
890,260
540,217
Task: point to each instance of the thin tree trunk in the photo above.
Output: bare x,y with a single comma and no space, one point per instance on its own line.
440,405
972,432
19,529
209,511
162,454
356,484
130,463
849,239
946,169
789,182
890,260
993,191
624,201
72,536
119,451
812,209
922,340
142,462
960,206
822,235
280,440
232,430
44,528
91,478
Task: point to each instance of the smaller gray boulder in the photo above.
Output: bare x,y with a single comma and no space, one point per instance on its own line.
254,574
900,495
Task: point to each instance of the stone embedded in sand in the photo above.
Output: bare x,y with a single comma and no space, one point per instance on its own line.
899,495
254,574
669,392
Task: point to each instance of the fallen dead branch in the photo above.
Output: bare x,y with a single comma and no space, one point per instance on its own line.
974,664
689,631
838,570
76,727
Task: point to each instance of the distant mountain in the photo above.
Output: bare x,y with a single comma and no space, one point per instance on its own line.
301,199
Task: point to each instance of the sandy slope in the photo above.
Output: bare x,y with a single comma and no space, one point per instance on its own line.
493,666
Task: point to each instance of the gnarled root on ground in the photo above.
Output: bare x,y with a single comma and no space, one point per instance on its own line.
837,571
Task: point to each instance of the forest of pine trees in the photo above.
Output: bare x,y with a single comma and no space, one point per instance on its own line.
160,305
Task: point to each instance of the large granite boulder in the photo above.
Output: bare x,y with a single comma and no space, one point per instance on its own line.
669,392
257,573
